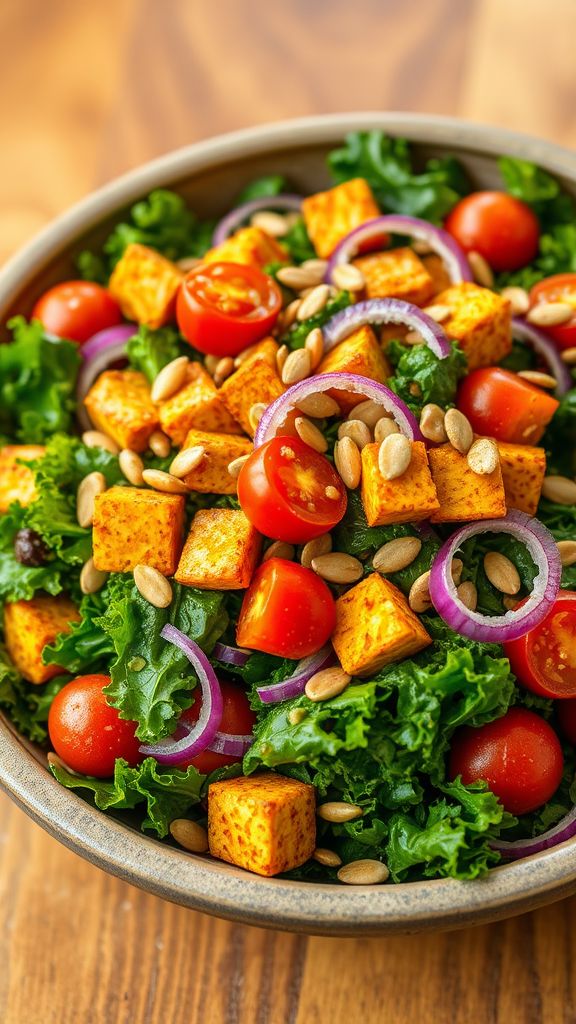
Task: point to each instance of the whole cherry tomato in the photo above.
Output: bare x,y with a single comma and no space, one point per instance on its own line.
503,229
558,288
77,310
501,404
237,719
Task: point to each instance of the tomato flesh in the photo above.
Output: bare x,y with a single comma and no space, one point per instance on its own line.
544,659
76,310
224,307
502,405
558,288
287,610
519,756
503,229
282,490
86,732
237,719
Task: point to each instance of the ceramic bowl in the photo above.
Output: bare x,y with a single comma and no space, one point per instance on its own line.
210,174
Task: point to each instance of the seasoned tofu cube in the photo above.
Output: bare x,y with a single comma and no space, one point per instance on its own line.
145,285
396,274
252,382
120,405
436,268
406,499
133,526
29,626
211,475
264,823
221,551
330,216
462,493
375,626
523,471
266,349
250,246
359,353
480,321
197,406
17,481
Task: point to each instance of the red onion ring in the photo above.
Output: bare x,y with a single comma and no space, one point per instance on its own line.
230,655
240,214
230,744
439,241
565,829
386,311
294,685
170,750
547,351
498,628
276,413
102,349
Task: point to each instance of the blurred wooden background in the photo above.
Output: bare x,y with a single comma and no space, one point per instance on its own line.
87,91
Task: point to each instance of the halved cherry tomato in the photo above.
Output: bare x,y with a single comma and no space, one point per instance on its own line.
76,310
86,732
237,719
287,610
544,659
501,404
566,715
504,230
558,288
224,307
282,490
518,755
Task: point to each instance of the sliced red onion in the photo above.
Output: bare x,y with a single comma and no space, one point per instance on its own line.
240,214
174,750
231,655
294,685
546,349
230,744
439,241
102,349
276,413
386,311
498,628
565,829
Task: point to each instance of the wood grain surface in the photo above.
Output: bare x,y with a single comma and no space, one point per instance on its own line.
91,89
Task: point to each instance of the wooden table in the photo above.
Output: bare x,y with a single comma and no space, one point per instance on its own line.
89,90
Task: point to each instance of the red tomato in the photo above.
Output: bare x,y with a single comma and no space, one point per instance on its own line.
282,489
566,715
544,659
501,228
287,610
224,307
501,404
518,755
86,732
77,310
558,288
237,718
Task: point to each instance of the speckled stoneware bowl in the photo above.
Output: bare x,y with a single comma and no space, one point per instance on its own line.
210,174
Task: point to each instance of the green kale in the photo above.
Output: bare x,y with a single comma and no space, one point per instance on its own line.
436,379
522,357
298,244
473,552
561,521
267,185
296,336
150,350
560,437
26,704
86,647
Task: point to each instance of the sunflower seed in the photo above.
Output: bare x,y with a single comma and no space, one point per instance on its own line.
394,456
280,549
170,379
327,683
160,444
272,223
189,834
242,356
559,489
502,573
483,456
397,554
328,858
363,872
314,345
256,413
510,603
384,428
211,362
419,596
316,265
348,462
540,380
569,356
432,423
337,567
223,370
187,460
337,811
550,314
348,278
413,338
310,434
468,595
438,312
369,412
567,551
132,466
456,567
152,585
299,278
518,298
458,430
281,357
96,439
90,487
481,270
313,548
287,316
164,482
319,406
356,431
297,366
314,302
91,578
235,466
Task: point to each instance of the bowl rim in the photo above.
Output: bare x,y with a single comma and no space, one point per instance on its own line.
197,882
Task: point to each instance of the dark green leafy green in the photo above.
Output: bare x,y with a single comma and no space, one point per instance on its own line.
473,552
522,357
298,244
436,379
296,336
149,350
560,437
267,185
26,704
86,647
561,521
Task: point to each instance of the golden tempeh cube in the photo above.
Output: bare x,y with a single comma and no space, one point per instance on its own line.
462,493
221,551
406,499
264,823
329,216
480,322
375,626
120,405
145,285
211,475
359,353
133,526
396,274
523,471
440,277
197,406
265,349
16,481
29,626
250,246
254,381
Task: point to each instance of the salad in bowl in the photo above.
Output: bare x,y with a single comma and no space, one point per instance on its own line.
288,521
